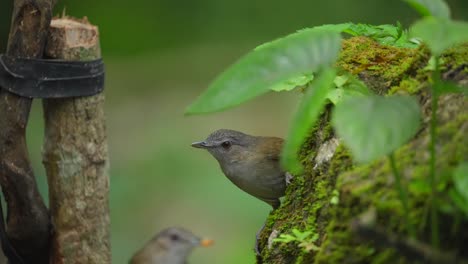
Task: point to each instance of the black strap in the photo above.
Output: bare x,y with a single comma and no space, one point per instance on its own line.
42,78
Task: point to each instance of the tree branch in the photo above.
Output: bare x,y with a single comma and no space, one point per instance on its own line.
28,225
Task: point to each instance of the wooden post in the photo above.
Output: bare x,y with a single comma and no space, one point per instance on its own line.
75,156
28,226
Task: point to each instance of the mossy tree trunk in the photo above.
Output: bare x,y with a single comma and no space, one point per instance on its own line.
330,172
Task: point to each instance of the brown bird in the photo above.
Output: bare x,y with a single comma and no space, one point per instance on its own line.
170,246
252,163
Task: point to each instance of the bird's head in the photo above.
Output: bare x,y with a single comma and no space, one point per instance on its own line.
227,145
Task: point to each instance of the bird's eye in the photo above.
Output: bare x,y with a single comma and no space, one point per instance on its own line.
226,144
174,237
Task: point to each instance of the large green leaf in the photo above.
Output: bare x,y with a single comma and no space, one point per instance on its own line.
440,34
311,105
435,8
297,81
374,126
303,52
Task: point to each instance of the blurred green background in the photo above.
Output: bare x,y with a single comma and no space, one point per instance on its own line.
160,54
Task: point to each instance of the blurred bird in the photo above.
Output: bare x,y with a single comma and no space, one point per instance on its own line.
252,163
170,246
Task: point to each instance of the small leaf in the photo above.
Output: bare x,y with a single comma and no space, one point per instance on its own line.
347,86
336,95
340,80
440,34
350,82
374,126
288,85
460,180
311,105
296,232
275,62
334,200
431,64
435,8
335,27
301,236
309,246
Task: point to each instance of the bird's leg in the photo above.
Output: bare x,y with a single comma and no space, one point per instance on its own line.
288,178
257,238
275,204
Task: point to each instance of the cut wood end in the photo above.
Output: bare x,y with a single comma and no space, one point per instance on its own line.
68,32
66,21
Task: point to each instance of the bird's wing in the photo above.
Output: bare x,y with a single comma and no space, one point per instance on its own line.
272,148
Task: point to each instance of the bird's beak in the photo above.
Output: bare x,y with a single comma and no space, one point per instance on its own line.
201,144
202,242
206,242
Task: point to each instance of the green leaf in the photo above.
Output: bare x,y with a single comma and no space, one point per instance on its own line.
311,105
435,8
335,27
347,86
384,34
309,246
297,81
440,34
459,201
285,238
334,200
301,236
460,180
303,52
374,126
341,80
354,84
442,87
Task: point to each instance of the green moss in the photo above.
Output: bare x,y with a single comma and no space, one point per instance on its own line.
361,54
456,57
407,86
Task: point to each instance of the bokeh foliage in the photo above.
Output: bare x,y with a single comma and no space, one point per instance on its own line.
160,54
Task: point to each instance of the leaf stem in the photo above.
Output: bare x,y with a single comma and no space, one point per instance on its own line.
403,195
432,151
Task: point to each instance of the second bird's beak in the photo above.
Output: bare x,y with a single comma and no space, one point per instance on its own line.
206,242
202,242
201,144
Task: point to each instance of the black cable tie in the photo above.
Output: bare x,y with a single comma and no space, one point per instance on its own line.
43,78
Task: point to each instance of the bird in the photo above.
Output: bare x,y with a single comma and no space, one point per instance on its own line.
252,163
170,246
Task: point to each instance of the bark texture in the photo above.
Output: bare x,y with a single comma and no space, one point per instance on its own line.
332,192
75,156
28,225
